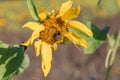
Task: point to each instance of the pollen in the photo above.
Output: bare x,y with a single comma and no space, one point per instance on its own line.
54,31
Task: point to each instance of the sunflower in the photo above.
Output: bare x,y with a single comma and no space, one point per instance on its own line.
53,30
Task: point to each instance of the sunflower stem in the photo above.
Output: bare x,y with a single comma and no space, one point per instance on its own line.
112,55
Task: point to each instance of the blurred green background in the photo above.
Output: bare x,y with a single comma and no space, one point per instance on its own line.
68,62
15,12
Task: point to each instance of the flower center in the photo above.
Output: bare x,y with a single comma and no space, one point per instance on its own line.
54,30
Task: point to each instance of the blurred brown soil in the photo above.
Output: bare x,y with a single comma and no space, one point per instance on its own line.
69,63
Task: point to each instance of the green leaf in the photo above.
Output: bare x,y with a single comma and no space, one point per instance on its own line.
13,61
99,36
94,42
3,45
33,10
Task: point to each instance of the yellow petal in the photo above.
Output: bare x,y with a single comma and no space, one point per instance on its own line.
27,43
42,14
34,35
79,26
46,53
65,6
37,46
32,25
76,39
55,46
71,13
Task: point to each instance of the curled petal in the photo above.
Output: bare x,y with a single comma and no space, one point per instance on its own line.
27,43
76,39
37,46
31,25
71,13
34,26
34,35
65,6
79,26
55,46
46,53
42,14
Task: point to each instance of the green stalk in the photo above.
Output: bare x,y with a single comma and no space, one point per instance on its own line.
112,56
115,49
107,73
